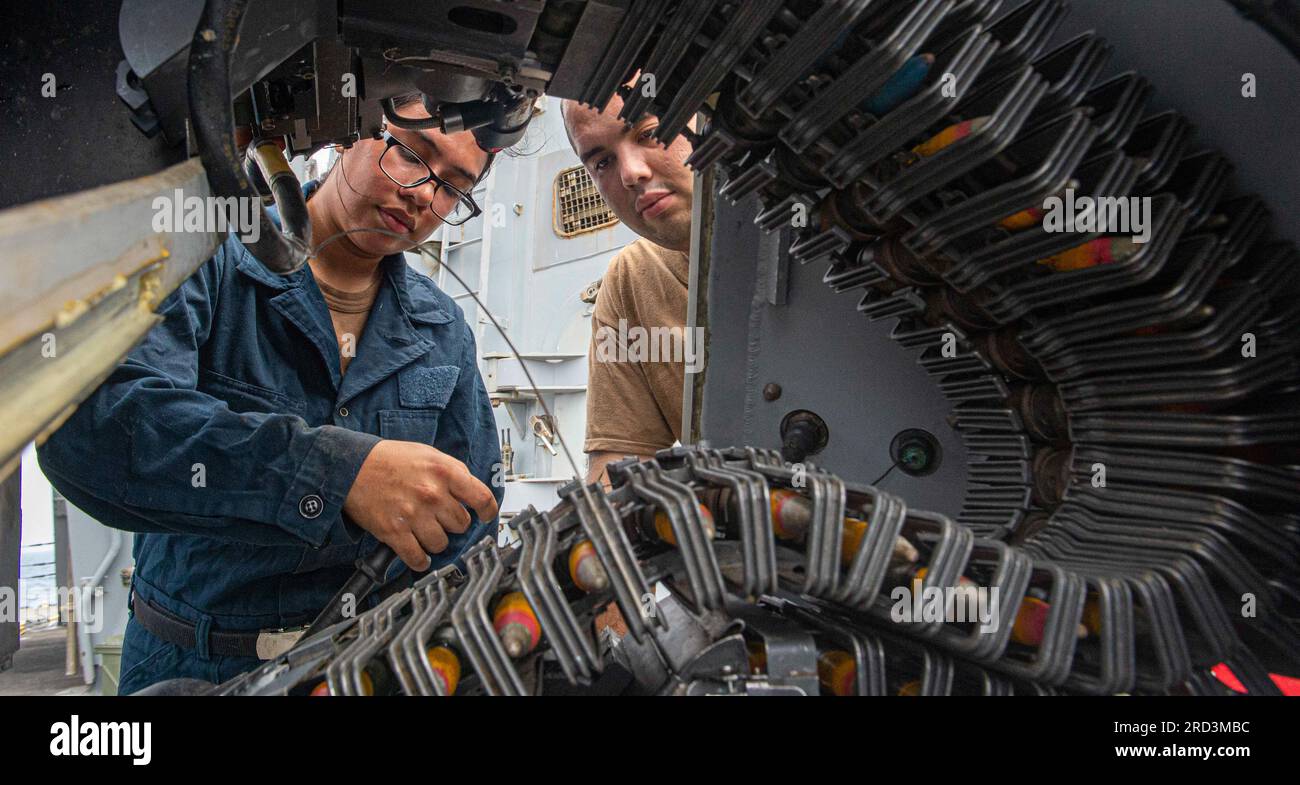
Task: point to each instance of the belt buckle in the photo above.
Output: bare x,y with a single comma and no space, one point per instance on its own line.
273,643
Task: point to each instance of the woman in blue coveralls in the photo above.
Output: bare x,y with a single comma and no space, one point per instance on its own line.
253,470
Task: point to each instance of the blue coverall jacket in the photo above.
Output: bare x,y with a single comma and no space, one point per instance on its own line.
228,441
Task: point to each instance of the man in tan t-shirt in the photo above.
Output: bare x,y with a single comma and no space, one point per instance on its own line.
640,348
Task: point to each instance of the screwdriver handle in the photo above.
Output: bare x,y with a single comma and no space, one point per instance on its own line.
369,575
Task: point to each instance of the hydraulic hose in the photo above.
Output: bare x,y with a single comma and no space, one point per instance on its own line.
213,120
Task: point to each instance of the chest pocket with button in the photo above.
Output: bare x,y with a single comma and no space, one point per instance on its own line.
423,392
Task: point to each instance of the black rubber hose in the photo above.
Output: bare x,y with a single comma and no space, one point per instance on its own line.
410,123
213,121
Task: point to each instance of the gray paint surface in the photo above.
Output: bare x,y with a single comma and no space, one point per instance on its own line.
828,358
89,542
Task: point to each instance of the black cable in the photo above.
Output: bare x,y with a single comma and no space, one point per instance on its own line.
409,123
892,466
212,119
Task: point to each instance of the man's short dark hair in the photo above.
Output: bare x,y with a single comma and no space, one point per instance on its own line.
564,120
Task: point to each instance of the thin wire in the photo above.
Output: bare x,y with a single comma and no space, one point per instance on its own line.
391,59
568,456
892,466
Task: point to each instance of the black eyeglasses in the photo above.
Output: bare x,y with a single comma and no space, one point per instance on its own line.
405,167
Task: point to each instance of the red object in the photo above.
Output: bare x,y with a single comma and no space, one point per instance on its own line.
1287,684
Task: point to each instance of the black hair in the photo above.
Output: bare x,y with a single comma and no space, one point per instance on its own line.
407,99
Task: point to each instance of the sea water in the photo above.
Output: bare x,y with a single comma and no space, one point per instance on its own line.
38,595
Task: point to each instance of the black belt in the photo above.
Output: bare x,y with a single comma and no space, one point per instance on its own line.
263,644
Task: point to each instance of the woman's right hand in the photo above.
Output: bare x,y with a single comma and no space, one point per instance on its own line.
410,497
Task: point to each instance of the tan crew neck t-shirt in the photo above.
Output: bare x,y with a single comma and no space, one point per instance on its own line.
635,375
348,311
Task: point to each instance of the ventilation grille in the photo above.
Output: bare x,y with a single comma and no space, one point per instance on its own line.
578,207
